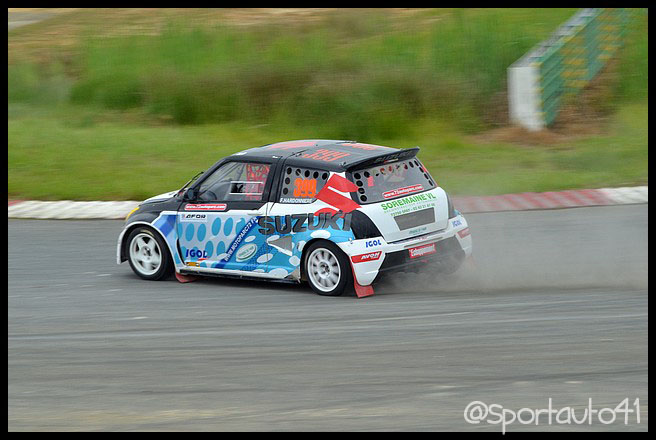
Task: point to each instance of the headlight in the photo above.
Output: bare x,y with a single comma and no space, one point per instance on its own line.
130,213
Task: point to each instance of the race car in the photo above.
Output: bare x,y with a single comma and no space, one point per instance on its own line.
336,214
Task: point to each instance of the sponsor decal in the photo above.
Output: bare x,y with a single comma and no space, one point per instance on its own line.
392,157
335,199
192,253
409,204
366,257
194,217
402,191
239,238
193,263
463,233
245,252
456,223
206,207
363,146
417,231
421,251
372,243
291,144
326,155
295,200
408,201
285,224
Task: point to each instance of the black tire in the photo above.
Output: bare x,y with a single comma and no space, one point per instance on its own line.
153,248
344,278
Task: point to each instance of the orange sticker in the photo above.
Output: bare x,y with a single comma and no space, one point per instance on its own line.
305,188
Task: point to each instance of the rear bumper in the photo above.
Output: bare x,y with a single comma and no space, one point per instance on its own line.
371,257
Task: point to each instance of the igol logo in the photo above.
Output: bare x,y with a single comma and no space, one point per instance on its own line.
246,252
372,243
193,253
284,224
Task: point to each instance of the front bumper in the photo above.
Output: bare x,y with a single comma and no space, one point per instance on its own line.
371,257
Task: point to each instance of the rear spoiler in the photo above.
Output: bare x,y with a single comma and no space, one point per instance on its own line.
384,158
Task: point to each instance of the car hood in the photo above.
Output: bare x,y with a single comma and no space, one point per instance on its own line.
161,197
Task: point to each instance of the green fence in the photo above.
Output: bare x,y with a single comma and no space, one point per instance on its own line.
563,64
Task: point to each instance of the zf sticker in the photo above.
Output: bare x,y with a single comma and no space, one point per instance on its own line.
194,217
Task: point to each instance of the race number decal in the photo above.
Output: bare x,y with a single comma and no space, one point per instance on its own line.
305,188
326,155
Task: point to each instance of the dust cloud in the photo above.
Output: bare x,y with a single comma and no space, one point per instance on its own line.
558,249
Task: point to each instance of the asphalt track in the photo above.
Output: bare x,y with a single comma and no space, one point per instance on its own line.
555,307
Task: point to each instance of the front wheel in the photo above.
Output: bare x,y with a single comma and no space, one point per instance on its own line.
148,255
327,269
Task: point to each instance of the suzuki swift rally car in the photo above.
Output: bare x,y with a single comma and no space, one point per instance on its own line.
333,213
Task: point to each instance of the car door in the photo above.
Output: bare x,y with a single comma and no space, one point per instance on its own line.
218,230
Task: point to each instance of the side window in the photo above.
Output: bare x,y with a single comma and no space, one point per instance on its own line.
235,181
301,185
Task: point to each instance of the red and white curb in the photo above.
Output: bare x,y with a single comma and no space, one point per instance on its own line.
67,209
553,200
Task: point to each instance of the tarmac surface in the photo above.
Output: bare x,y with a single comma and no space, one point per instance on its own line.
555,306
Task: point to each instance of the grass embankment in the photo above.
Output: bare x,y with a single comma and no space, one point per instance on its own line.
124,114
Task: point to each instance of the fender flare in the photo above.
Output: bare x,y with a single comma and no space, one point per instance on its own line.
120,249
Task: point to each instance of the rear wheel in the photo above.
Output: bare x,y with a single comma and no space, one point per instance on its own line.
148,255
327,269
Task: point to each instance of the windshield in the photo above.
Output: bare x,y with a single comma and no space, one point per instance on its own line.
389,181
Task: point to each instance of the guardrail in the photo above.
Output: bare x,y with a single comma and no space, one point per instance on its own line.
563,64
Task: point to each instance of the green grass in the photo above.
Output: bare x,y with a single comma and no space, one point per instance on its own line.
72,153
347,68
134,104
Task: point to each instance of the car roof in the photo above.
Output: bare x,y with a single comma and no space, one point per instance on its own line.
334,155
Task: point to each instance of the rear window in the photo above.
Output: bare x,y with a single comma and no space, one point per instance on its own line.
389,181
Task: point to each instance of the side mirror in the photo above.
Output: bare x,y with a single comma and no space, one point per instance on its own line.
191,194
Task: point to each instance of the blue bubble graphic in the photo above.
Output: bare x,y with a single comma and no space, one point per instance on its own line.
209,248
216,226
190,232
220,248
227,228
201,232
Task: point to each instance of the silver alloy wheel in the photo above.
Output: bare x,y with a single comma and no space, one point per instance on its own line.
323,269
145,254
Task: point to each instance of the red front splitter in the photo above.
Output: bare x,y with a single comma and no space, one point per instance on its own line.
185,278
